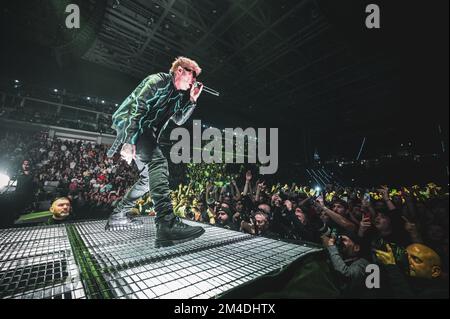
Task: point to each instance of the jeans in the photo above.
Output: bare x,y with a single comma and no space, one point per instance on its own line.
153,177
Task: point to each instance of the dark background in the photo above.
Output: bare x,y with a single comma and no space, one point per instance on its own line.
310,68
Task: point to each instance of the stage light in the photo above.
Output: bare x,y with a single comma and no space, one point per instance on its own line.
4,180
16,81
55,90
103,102
88,98
318,189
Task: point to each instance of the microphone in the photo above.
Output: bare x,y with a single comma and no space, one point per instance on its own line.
207,89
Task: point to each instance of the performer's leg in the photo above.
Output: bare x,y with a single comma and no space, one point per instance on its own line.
158,170
135,192
119,215
169,227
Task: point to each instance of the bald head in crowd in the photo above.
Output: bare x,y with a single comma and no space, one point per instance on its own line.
61,208
424,262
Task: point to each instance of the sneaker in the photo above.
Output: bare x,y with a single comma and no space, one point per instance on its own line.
176,231
124,222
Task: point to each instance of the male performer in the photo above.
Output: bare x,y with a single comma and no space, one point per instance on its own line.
139,122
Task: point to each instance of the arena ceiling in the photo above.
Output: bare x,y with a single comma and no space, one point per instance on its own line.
268,59
300,65
282,62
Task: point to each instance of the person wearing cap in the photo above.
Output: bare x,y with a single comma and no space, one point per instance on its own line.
139,122
347,257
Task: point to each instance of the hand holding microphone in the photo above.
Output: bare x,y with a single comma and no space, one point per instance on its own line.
196,90
205,88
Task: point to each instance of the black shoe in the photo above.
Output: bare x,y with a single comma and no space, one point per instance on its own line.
123,222
175,231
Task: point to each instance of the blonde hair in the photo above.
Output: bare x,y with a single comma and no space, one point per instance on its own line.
185,63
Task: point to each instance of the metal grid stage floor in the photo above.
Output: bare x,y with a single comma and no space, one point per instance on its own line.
81,260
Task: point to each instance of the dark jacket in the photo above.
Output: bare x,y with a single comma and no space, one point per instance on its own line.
352,273
151,105
402,286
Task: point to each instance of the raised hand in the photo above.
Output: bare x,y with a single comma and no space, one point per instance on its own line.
196,90
128,152
386,257
288,204
320,201
328,241
364,225
248,176
276,199
384,190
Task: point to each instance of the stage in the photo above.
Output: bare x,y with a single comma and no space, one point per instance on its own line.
83,261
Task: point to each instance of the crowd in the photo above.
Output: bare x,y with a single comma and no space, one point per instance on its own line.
80,170
404,230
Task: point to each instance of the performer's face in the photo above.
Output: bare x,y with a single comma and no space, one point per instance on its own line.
185,78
